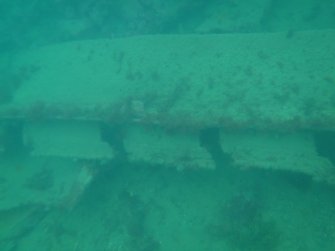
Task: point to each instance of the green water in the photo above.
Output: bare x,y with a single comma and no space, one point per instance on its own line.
144,203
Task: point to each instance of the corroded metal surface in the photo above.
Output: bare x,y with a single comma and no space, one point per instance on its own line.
265,93
263,81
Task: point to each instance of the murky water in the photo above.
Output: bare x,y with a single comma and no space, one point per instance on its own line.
151,125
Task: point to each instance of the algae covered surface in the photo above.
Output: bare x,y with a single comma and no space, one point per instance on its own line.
150,208
151,125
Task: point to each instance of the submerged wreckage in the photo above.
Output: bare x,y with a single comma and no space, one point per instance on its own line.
264,100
